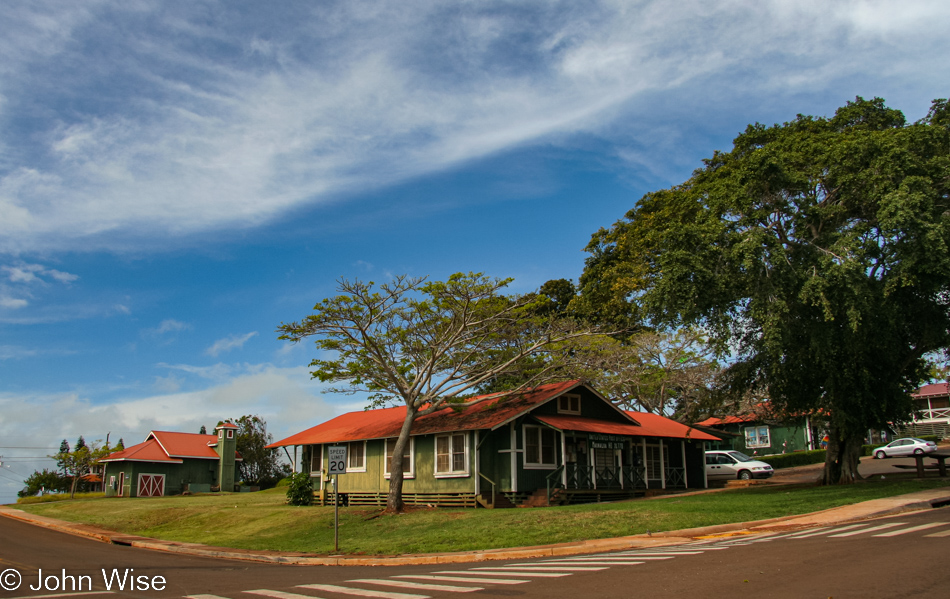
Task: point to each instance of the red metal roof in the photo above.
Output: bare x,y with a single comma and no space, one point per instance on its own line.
147,451
933,389
653,425
727,420
166,446
590,425
490,411
186,445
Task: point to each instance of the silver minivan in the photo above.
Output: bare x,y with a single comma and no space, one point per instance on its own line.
729,464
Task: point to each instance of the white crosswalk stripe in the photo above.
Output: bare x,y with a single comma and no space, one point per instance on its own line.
536,567
638,554
862,531
599,558
903,531
416,585
826,531
942,533
332,588
611,563
278,594
494,572
462,579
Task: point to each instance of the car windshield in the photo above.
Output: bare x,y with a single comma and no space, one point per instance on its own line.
740,456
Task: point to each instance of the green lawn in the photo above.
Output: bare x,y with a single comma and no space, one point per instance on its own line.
262,520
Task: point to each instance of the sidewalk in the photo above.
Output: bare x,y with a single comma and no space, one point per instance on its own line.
850,513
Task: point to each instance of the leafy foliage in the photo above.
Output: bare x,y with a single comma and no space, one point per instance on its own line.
427,343
260,466
80,461
300,490
47,481
815,255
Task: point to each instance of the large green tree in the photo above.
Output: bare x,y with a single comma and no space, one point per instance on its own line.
429,344
814,254
259,466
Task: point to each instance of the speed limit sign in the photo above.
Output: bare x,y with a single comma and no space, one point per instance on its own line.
337,459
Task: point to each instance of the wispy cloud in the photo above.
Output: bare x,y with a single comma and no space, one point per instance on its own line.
9,352
185,126
229,343
169,325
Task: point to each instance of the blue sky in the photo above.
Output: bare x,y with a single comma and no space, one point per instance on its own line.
178,178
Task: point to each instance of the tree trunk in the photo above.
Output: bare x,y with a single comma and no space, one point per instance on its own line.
72,487
394,503
842,458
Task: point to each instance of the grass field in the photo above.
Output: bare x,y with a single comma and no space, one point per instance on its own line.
263,521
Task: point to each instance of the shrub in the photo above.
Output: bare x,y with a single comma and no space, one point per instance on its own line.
300,490
798,458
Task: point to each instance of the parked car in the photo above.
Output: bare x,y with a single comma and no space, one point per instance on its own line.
907,446
734,465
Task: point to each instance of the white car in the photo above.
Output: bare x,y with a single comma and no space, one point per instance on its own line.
730,464
908,446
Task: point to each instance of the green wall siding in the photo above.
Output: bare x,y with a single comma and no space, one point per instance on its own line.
793,436
177,476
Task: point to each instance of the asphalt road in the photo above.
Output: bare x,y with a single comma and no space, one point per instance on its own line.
841,561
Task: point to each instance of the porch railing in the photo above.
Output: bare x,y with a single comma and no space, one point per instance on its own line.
675,476
928,414
554,481
580,476
633,478
491,500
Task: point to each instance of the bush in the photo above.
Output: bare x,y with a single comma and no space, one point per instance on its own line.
798,458
300,490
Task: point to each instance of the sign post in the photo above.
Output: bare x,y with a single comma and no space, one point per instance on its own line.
337,466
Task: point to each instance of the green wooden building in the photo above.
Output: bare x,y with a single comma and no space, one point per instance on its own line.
169,463
556,443
762,434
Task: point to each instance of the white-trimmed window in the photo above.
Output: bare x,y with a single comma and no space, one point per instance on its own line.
316,460
569,404
408,463
757,436
356,456
540,449
451,455
230,434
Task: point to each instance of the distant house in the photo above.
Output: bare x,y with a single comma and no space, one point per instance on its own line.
561,442
932,414
169,463
758,433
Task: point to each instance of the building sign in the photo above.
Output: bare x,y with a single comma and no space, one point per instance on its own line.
599,441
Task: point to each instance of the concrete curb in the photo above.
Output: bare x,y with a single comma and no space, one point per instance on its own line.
860,511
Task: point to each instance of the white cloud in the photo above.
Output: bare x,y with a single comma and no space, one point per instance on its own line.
169,325
216,372
8,352
285,397
12,302
357,96
229,343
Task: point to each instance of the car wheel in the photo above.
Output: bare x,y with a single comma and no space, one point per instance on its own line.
918,451
880,455
745,475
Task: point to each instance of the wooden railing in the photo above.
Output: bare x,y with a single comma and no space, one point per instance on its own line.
934,414
491,500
